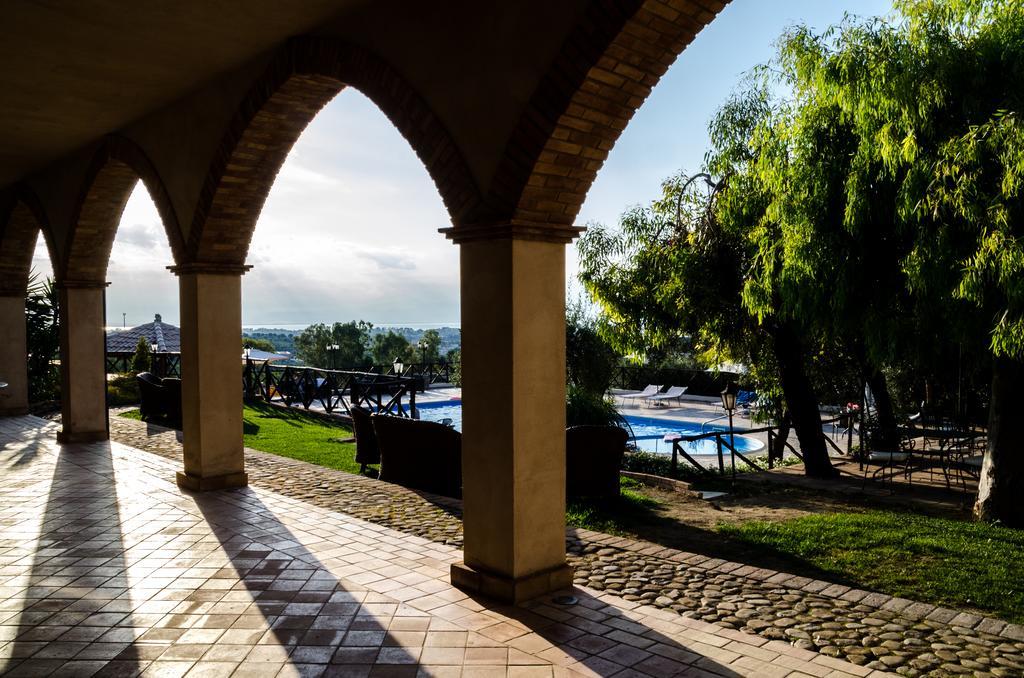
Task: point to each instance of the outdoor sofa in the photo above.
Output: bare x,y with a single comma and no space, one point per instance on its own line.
159,399
593,457
422,455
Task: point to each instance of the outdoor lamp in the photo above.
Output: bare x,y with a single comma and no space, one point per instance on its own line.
399,367
154,347
246,351
729,396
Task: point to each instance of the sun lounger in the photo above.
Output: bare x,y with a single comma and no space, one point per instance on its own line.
673,393
651,390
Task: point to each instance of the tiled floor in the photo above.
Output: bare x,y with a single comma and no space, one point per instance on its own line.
107,568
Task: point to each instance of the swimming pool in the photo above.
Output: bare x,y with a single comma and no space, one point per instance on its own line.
648,432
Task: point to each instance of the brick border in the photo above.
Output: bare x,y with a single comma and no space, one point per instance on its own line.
116,167
604,72
22,218
304,75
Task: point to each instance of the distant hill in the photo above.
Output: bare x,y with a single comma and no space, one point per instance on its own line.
284,339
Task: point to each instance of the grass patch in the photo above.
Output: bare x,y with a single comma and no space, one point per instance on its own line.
610,515
941,561
294,433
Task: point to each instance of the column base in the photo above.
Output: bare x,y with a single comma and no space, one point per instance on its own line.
507,589
72,437
208,483
13,411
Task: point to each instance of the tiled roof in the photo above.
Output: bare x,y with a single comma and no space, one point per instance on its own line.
167,337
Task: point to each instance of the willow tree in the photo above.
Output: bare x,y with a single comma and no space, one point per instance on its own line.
933,98
683,265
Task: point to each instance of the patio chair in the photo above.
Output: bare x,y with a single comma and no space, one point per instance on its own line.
651,390
421,455
593,457
172,400
151,396
673,393
367,451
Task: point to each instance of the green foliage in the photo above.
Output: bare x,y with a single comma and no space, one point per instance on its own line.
42,324
123,389
258,344
428,347
387,347
454,358
586,408
352,338
941,561
932,105
589,360
142,359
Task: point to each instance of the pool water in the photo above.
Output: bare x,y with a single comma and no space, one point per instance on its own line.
648,432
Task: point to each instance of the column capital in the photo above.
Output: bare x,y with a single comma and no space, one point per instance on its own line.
513,229
209,268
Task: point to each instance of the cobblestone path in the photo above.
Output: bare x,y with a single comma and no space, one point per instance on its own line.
870,630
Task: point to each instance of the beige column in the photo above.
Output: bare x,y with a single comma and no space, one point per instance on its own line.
14,355
513,419
211,377
83,396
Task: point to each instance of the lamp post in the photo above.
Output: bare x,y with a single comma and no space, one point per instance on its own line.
423,351
729,394
399,367
153,348
332,350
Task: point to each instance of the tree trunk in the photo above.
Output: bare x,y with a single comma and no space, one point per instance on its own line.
1001,488
802,403
785,423
889,437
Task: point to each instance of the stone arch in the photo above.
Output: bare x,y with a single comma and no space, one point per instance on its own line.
301,79
603,73
22,219
112,175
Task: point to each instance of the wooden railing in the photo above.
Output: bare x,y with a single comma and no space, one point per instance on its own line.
334,390
724,440
162,364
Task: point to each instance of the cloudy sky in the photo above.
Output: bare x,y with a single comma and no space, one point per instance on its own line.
349,230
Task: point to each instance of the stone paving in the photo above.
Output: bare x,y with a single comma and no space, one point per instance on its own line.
858,626
107,568
864,628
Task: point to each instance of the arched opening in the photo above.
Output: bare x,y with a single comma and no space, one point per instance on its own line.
122,200
28,310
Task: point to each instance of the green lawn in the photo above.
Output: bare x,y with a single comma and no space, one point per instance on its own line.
948,562
608,515
294,433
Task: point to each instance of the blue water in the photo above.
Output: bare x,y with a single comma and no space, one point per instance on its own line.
649,432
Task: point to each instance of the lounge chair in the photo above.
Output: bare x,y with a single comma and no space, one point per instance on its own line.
651,390
367,451
593,457
673,393
422,455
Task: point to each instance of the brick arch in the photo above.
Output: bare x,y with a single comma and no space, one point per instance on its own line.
22,219
115,169
301,79
603,73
